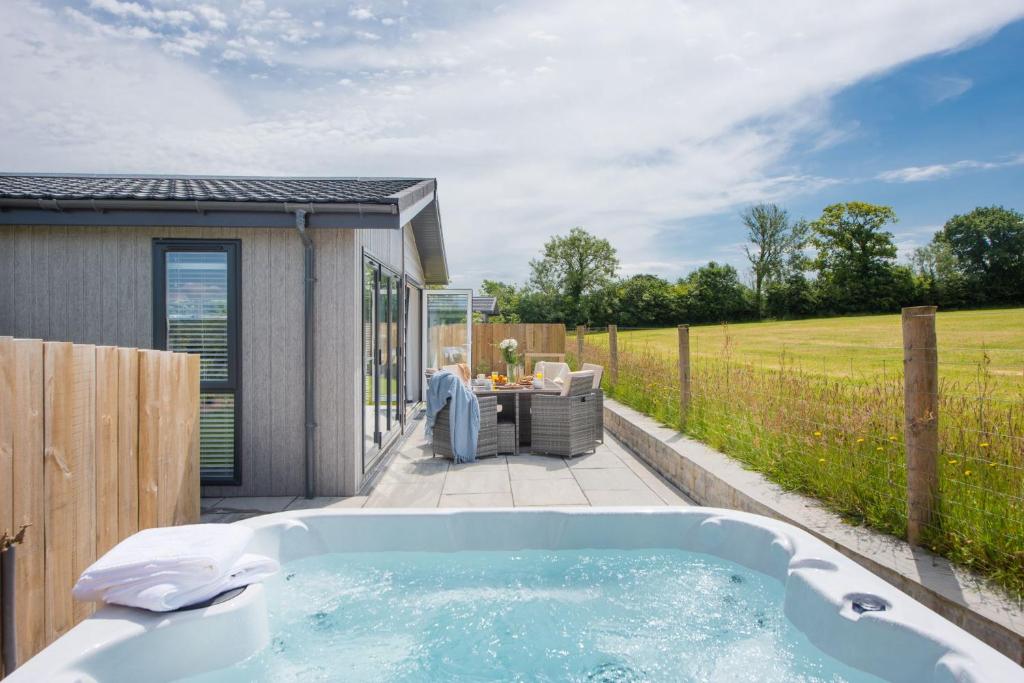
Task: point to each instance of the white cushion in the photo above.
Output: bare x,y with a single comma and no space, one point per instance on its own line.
568,380
553,372
598,372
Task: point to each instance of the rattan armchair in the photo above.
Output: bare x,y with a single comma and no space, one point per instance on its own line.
565,425
487,441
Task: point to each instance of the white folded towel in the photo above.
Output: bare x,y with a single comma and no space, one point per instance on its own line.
171,567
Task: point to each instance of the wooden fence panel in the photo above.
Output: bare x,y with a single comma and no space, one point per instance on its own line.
532,338
95,443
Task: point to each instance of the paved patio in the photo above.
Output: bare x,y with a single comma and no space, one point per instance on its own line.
610,476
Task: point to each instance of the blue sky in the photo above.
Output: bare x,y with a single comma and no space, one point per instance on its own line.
652,124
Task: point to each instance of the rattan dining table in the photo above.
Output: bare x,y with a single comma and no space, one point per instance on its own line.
515,402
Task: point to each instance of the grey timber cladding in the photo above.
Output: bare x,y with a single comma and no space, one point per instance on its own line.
94,285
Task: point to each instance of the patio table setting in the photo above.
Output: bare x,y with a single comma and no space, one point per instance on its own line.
552,411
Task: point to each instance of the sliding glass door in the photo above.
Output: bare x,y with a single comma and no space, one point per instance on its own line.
382,346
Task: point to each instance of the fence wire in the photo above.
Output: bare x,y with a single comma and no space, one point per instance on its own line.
830,424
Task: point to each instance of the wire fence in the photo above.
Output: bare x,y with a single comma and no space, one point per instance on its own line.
831,424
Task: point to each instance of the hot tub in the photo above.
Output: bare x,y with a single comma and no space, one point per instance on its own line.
571,594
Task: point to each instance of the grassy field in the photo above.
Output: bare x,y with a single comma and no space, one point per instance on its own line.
861,347
817,406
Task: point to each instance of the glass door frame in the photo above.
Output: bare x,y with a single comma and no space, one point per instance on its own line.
410,285
233,383
425,329
383,435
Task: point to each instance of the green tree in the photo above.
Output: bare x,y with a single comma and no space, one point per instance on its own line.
714,293
988,244
856,259
768,237
645,301
940,280
507,296
573,266
792,294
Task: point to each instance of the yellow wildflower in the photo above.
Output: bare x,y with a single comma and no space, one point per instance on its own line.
879,448
817,433
821,459
952,462
967,473
860,440
983,444
991,464
892,438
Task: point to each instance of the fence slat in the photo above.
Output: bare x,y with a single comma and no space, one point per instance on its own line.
107,405
83,465
58,368
127,442
149,438
173,449
29,506
186,508
7,524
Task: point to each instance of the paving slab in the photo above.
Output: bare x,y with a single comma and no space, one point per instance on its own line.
534,492
530,466
480,480
613,479
253,504
624,497
324,502
477,500
601,458
405,495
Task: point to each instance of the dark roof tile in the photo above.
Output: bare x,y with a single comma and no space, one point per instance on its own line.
204,188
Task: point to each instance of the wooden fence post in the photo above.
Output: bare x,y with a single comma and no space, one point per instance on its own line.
684,372
581,332
613,352
921,416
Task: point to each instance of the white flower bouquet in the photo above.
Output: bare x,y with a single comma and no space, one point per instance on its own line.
509,350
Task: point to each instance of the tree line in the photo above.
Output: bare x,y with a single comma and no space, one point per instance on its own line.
843,262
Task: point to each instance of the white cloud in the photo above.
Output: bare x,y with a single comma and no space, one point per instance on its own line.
137,11
916,174
214,18
361,13
947,88
645,118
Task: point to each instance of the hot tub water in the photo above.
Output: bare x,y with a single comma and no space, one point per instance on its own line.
535,615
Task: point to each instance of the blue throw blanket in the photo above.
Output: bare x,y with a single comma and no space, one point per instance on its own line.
444,387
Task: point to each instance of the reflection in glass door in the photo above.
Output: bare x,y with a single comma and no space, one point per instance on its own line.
448,316
381,353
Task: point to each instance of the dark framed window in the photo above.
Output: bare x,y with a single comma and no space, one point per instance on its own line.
196,309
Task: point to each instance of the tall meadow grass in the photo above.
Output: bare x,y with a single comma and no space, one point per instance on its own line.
840,440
